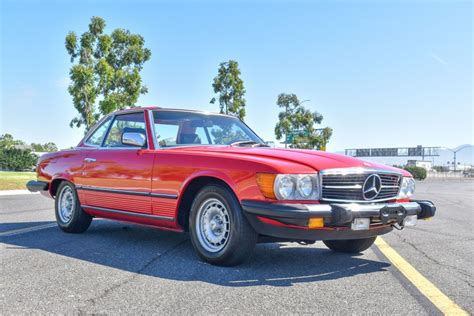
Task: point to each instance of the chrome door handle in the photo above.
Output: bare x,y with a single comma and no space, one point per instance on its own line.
89,159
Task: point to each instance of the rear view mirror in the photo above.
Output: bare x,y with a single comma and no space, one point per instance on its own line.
133,139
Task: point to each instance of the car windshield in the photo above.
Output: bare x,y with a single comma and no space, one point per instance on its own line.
176,128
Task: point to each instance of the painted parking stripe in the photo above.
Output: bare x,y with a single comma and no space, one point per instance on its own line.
27,229
428,289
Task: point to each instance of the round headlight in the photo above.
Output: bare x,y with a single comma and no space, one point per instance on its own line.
285,187
305,186
404,187
407,188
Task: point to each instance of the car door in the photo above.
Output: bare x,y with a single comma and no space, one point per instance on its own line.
117,177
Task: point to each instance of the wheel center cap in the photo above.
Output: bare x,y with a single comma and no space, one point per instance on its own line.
215,225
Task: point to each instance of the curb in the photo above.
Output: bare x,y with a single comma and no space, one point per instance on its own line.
16,192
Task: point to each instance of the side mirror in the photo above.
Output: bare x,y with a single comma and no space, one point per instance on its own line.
133,139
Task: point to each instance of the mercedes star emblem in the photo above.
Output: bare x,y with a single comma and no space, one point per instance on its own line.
372,187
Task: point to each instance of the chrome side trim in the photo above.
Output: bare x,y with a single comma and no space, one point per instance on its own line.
164,196
106,190
141,215
129,192
357,170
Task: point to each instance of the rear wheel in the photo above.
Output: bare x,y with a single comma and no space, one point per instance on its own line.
220,233
350,245
69,214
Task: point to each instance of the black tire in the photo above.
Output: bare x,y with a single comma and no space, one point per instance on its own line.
78,221
241,237
350,245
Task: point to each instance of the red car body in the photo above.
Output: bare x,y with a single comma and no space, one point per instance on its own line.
155,186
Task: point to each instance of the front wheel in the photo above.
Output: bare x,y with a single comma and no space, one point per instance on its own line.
70,217
220,233
350,245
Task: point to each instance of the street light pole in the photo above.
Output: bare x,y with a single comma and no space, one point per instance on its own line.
454,169
455,151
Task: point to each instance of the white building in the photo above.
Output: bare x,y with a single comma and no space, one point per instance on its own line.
420,163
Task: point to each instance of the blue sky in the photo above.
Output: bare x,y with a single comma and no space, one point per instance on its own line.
383,74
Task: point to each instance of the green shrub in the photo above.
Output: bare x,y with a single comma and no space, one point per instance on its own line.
418,173
14,159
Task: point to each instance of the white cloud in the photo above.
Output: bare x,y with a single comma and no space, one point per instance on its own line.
439,59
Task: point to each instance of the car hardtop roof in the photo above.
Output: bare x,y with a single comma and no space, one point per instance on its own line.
156,108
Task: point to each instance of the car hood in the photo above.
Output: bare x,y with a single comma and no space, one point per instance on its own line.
318,160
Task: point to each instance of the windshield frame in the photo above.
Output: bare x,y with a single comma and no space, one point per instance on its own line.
245,128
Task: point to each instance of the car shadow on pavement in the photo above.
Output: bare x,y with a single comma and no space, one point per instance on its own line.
8,227
167,255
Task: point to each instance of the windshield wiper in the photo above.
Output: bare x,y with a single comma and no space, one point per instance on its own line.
248,142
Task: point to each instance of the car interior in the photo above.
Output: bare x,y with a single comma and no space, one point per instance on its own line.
187,134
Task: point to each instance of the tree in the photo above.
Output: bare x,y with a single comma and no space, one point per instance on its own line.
108,68
7,141
297,124
16,159
418,173
48,147
227,135
230,88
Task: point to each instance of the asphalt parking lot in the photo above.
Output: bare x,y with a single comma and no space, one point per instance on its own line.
124,268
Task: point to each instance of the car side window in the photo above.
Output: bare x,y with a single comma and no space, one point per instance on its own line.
96,138
133,122
166,134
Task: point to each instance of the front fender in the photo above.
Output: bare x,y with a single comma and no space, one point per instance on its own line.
212,174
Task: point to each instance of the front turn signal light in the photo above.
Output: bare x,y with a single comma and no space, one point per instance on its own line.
265,183
316,222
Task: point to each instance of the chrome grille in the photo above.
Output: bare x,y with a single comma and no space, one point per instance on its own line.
342,187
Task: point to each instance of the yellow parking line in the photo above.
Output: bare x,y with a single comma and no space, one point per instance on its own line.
428,289
26,230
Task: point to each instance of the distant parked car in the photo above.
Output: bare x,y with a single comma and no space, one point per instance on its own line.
468,173
211,175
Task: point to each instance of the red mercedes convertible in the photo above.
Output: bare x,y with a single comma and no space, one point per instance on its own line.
212,176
